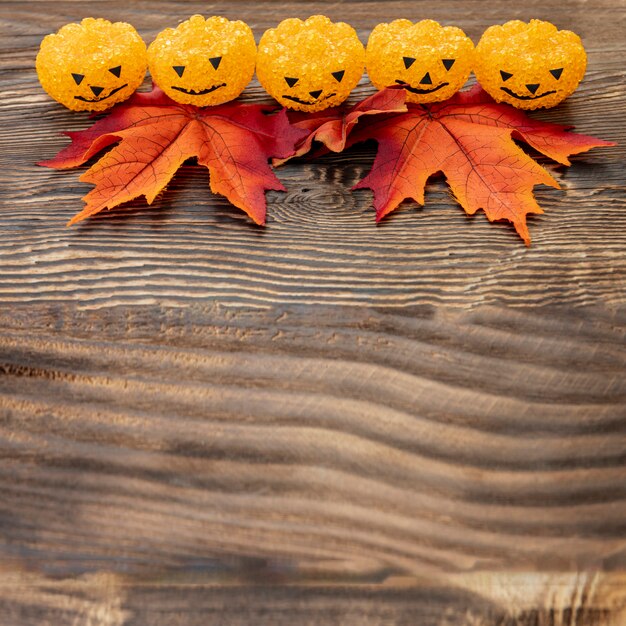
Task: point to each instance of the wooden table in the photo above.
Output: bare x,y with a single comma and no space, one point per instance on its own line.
320,421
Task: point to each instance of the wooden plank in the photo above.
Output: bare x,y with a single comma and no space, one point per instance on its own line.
321,244
109,600
430,452
322,421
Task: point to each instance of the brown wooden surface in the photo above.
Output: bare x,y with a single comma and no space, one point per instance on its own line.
322,421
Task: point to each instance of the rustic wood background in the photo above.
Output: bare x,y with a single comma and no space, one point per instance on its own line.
321,421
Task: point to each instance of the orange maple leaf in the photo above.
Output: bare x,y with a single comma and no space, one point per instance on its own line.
332,127
155,135
469,138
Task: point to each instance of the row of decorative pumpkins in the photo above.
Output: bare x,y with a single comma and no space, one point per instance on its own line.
308,65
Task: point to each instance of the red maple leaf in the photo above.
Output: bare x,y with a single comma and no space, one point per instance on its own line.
469,138
332,127
155,135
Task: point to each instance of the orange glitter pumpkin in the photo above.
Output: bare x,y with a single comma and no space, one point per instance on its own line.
530,66
310,65
430,61
92,65
203,61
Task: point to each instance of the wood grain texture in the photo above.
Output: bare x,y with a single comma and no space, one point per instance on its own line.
315,446
321,244
322,421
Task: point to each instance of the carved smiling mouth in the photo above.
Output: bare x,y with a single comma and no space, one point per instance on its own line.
201,92
300,101
421,91
515,95
114,91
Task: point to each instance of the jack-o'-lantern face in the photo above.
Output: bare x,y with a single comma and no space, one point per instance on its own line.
92,65
310,65
529,65
203,62
431,62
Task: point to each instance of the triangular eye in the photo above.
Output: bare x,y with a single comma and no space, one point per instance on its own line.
179,69
557,73
338,76
78,78
215,62
116,71
408,61
291,81
505,75
448,63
